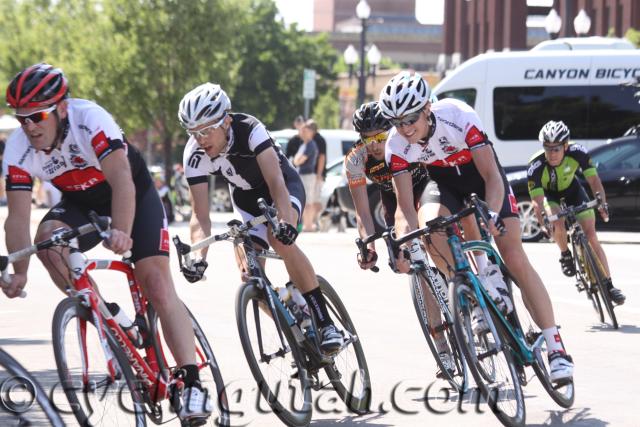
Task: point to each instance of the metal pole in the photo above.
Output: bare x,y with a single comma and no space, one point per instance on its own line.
306,108
362,78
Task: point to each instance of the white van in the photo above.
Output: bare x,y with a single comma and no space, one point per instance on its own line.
339,141
516,93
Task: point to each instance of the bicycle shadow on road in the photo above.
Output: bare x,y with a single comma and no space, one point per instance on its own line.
21,341
352,420
625,329
574,417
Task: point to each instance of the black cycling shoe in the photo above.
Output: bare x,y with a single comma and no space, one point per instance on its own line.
568,266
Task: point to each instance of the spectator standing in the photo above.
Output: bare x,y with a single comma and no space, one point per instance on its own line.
321,172
295,141
305,161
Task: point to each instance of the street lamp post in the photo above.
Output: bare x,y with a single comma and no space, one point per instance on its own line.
582,23
552,24
363,11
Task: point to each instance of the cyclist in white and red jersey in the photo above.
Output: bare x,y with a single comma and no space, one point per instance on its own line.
237,147
449,139
78,147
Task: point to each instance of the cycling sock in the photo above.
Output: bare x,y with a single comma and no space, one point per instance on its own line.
554,342
482,261
318,305
191,375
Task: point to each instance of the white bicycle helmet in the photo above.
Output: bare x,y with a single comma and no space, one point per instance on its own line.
206,103
404,94
554,133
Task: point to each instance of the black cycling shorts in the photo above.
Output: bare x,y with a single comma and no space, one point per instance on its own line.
454,199
390,202
245,202
150,231
574,195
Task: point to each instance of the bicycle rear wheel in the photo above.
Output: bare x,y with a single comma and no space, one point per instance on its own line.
457,378
586,276
593,264
99,398
502,388
209,371
33,407
349,373
279,370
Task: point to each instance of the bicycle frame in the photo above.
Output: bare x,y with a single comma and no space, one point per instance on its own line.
147,368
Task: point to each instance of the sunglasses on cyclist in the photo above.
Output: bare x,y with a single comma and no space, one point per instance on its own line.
407,120
206,130
554,149
35,117
379,137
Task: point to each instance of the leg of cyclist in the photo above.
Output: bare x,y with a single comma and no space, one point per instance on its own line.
588,223
560,237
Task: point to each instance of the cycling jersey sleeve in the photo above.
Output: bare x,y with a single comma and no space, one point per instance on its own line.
17,178
259,139
106,136
15,173
534,175
196,163
396,161
354,165
583,158
474,135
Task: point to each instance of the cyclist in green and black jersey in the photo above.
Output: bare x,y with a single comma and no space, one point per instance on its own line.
551,174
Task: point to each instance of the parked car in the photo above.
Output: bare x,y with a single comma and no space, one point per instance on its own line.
618,165
345,201
339,141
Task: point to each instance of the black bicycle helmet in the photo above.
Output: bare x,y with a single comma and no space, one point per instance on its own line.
369,118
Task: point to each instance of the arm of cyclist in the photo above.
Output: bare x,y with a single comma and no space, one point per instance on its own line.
406,217
484,159
596,187
199,228
17,236
117,172
365,224
538,208
287,232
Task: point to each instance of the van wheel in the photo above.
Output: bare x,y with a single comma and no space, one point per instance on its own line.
529,227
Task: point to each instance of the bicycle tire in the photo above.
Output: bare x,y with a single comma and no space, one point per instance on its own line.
598,272
80,399
40,410
357,394
461,298
205,357
248,316
587,278
563,394
459,379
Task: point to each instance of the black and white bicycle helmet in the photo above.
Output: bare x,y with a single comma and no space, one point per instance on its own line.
204,104
369,118
554,133
404,94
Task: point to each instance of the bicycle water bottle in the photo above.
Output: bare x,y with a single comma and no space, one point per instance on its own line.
303,315
125,323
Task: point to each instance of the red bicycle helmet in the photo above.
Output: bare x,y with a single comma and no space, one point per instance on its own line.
39,85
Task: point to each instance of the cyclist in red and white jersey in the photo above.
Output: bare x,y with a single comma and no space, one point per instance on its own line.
449,139
78,147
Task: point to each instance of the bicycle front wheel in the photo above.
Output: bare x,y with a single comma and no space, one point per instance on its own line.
489,357
457,377
36,408
593,264
587,279
209,371
278,369
348,372
95,395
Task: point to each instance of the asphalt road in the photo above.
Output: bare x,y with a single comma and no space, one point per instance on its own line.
401,366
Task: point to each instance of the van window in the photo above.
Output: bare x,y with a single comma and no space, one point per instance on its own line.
467,96
590,112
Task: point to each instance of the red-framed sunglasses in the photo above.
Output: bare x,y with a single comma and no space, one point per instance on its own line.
35,117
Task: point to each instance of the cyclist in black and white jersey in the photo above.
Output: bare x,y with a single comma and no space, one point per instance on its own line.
449,139
78,146
237,147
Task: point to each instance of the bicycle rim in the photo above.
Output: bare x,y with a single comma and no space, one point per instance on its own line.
599,275
100,400
279,372
457,378
209,371
349,373
33,406
501,389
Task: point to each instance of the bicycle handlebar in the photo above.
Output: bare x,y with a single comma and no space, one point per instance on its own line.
59,237
572,210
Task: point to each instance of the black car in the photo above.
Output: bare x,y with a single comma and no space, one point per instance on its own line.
618,165
345,201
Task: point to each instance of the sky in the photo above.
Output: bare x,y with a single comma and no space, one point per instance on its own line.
427,11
